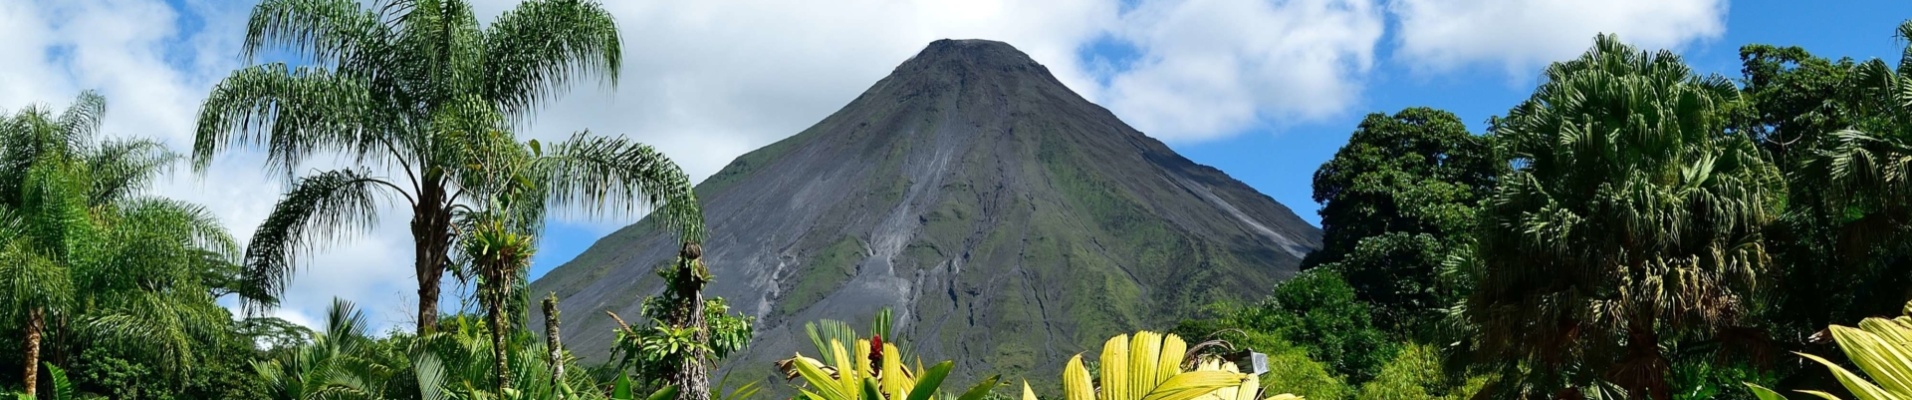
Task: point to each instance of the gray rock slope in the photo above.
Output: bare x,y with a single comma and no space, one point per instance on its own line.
1008,221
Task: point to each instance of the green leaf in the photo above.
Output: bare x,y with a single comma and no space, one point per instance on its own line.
1853,382
666,393
981,389
826,386
1819,394
62,389
933,378
870,391
622,389
1763,393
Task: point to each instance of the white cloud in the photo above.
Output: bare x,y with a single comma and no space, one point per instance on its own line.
1209,68
707,81
1521,35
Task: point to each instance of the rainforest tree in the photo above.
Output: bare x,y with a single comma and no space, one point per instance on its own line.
1631,220
86,256
1860,175
1396,201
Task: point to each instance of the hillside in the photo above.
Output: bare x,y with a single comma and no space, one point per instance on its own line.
1009,222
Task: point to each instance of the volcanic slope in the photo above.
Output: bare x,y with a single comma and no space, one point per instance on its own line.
1009,222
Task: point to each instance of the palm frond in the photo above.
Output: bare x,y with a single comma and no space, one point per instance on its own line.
123,167
81,121
538,49
1633,216
445,45
29,279
293,113
610,173
158,327
326,30
320,208
189,226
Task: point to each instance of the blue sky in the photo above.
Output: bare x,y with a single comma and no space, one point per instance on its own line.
1263,89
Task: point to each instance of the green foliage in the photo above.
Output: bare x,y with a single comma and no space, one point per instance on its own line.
1834,268
455,362
1632,218
426,91
652,351
62,388
1702,378
1396,202
1419,371
1314,314
1878,346
89,264
1290,370
1840,129
1317,310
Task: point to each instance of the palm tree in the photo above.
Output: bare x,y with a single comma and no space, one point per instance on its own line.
44,237
1632,217
78,241
330,366
1865,167
497,243
414,90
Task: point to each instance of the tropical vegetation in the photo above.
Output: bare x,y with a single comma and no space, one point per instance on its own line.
1633,229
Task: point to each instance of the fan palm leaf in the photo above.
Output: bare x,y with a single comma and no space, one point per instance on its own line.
1632,216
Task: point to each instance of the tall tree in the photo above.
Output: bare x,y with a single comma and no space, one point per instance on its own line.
82,244
45,235
497,241
414,90
1862,169
1631,220
1798,104
1396,201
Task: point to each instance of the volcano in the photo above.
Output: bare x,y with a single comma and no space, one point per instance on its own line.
1007,221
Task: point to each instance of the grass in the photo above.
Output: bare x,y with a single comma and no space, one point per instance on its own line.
821,275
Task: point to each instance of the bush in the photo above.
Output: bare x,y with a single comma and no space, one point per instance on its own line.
1415,373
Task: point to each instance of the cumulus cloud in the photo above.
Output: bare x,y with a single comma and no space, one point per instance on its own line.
1520,35
1208,69
707,81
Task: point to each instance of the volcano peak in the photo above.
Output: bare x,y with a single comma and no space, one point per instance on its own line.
976,55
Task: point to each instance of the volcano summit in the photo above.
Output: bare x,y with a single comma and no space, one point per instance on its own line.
1008,222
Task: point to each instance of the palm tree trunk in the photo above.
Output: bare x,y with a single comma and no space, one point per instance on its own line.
36,322
551,341
692,377
1643,370
428,277
431,239
498,353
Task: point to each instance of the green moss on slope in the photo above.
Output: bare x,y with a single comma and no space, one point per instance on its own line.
823,274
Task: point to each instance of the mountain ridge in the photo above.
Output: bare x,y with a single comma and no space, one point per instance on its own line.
978,196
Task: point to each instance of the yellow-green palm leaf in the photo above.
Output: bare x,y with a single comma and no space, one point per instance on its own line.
1249,388
1881,348
1147,366
855,378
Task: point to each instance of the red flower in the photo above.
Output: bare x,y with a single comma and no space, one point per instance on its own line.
876,353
